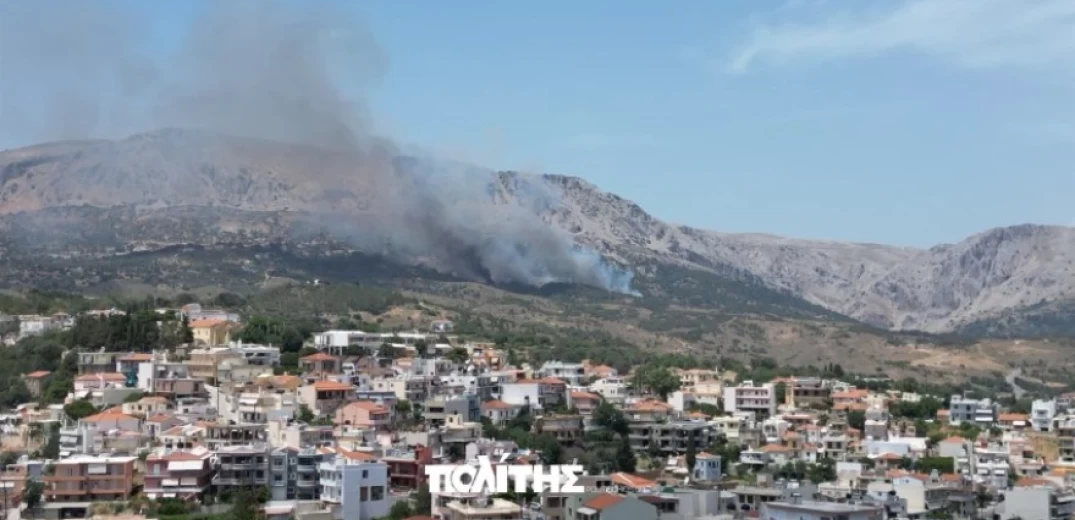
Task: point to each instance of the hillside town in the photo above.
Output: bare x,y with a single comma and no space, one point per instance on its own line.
220,428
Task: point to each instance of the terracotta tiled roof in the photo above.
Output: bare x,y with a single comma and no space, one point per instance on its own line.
161,417
107,376
108,415
326,386
137,357
585,396
1032,482
154,399
603,501
1014,417
38,375
371,406
552,381
320,356
650,405
356,455
851,394
774,448
889,456
497,405
632,481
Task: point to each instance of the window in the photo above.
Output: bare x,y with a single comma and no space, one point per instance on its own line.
365,474
377,493
364,495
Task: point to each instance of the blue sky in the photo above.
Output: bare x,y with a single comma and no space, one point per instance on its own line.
909,123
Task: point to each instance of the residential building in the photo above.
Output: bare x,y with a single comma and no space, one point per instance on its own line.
573,374
98,381
325,397
981,412
876,424
608,506
748,397
613,389
498,412
320,363
357,484
1037,499
90,479
35,382
567,429
205,363
283,471
406,468
258,355
241,467
707,468
181,474
480,508
807,392
365,414
1013,422
97,362
798,509
439,409
218,435
671,437
584,402
1042,412
308,475
537,394
213,332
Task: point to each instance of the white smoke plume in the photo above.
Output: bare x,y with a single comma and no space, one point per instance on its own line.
293,72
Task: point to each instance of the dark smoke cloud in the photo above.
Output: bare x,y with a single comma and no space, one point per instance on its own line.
286,71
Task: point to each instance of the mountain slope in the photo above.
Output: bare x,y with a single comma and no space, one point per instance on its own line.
170,187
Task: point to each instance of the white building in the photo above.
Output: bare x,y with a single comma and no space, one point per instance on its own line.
260,355
1040,501
748,397
613,389
358,485
981,412
991,466
337,341
1042,412
797,509
571,373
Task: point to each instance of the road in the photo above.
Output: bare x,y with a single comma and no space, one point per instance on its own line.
1016,390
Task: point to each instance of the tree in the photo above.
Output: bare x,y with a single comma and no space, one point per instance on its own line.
187,332
781,391
8,458
423,501
856,419
548,447
661,381
400,510
244,505
610,418
456,452
79,409
625,456
387,351
32,495
52,446
421,348
692,455
306,415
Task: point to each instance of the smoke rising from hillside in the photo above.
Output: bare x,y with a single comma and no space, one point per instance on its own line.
295,72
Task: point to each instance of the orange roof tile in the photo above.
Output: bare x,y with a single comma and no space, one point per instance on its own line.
320,356
552,381
889,456
586,396
368,405
1014,416
107,376
356,455
38,375
137,357
851,394
650,405
108,415
496,404
1032,482
603,501
632,481
774,448
328,386
161,417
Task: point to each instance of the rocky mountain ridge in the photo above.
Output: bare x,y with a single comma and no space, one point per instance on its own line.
149,187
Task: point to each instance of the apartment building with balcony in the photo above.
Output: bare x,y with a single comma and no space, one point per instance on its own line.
219,435
749,397
481,508
365,414
356,484
1042,412
981,412
258,355
613,389
406,467
299,435
537,394
672,438
90,479
283,473
807,392
325,397
241,467
261,407
1037,499
584,402
307,474
991,466
573,374
406,387
205,363
179,474
179,387
439,409
567,429
98,362
498,412
320,363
